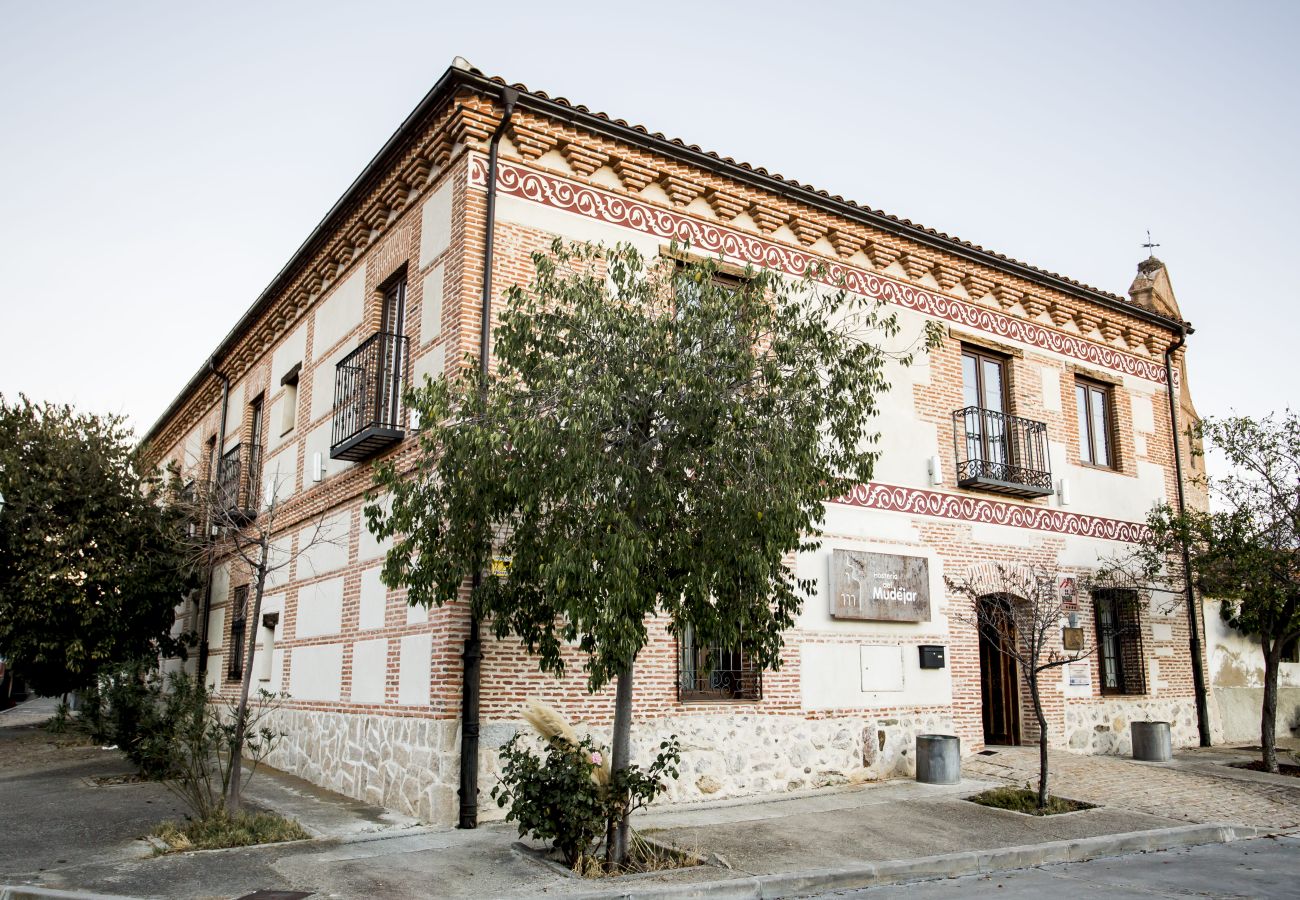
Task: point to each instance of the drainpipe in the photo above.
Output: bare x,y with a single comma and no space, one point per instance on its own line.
1193,618
207,524
473,655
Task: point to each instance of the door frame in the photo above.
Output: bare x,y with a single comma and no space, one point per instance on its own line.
999,683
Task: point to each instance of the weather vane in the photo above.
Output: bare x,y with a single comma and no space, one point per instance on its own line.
1150,247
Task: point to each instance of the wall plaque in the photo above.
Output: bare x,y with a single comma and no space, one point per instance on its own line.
880,586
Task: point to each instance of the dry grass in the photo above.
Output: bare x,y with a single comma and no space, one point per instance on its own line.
219,831
1025,800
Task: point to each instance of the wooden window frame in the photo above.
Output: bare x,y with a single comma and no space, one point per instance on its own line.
1087,437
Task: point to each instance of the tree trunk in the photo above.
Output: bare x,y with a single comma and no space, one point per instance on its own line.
620,753
1268,712
1042,742
241,714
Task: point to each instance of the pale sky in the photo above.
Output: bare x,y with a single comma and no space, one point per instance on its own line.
161,161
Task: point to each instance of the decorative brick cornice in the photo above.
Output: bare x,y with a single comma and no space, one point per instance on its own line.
531,144
766,218
947,276
679,190
914,501
634,177
846,243
807,231
707,236
977,287
881,254
583,160
726,206
916,264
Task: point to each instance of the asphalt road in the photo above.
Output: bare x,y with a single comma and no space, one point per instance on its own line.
1262,868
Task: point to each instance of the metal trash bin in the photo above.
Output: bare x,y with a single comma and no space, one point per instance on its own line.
1151,741
938,758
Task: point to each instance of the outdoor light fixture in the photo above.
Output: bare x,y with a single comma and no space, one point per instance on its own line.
1063,492
936,471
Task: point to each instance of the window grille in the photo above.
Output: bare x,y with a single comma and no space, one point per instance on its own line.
715,672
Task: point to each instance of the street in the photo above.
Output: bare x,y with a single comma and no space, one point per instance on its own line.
1261,868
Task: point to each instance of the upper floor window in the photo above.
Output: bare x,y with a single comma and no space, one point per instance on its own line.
289,403
369,384
1291,650
1096,443
996,451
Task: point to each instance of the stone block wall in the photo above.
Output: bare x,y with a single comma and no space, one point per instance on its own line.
1103,727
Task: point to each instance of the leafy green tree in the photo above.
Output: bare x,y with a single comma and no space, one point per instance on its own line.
91,566
658,441
1244,550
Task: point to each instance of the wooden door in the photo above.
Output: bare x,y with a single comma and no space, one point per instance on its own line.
999,684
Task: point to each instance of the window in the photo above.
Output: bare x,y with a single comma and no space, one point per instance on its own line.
238,625
253,479
984,387
289,403
715,672
1119,641
1291,650
1096,448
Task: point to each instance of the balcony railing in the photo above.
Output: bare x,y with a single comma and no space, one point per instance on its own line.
238,482
1001,453
369,410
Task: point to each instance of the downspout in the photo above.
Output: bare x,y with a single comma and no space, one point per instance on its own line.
1198,668
473,655
207,524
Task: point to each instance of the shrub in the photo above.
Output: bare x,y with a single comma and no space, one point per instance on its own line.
563,797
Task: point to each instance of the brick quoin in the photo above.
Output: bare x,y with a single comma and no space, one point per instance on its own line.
375,727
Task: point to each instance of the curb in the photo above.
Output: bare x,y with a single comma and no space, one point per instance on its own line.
951,865
24,892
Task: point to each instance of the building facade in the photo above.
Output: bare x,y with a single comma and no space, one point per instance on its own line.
1038,434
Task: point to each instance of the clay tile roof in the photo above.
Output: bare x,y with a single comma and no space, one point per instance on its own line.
727,160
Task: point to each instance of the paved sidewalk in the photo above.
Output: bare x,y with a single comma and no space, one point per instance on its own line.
63,832
1193,788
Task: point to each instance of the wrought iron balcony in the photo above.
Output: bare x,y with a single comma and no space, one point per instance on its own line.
237,486
369,409
1001,453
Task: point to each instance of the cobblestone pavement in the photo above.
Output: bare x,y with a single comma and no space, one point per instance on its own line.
1159,789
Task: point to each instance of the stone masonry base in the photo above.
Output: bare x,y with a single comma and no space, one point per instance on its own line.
411,765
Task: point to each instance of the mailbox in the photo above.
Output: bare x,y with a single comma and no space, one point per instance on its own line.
932,656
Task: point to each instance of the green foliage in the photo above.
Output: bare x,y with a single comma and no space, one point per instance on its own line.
91,563
559,798
656,440
1245,549
205,742
1025,800
218,831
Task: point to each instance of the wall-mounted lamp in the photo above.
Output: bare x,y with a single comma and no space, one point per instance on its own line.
1063,491
936,470
317,466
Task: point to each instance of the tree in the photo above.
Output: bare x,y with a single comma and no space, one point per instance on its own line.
1244,550
1021,611
657,440
242,520
91,564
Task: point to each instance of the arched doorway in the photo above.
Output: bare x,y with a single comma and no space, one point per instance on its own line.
999,674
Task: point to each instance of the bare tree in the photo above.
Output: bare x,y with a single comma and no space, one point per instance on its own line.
239,523
1022,611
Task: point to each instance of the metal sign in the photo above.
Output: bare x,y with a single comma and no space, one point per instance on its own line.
880,586
1067,588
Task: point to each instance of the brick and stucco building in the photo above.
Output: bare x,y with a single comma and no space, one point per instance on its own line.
1039,433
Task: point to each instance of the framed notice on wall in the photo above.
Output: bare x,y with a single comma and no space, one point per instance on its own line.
882,587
